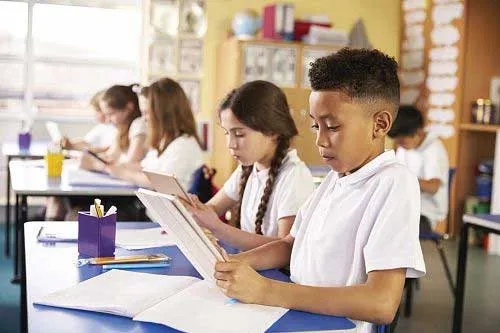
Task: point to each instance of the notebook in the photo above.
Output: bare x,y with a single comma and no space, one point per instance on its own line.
80,177
168,211
130,239
185,303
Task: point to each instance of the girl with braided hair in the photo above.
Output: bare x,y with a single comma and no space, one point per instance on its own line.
271,182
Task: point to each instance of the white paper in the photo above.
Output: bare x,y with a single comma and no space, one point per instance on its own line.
180,225
441,83
446,13
438,115
409,96
443,53
413,4
63,232
495,91
413,43
414,30
443,68
80,177
445,35
441,99
416,16
210,311
412,78
135,239
413,60
445,131
118,292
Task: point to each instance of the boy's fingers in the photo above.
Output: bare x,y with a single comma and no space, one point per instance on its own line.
226,266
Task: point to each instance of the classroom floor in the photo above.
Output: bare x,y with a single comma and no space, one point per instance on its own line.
432,307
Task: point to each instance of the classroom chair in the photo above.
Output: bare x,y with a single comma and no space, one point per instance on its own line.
437,238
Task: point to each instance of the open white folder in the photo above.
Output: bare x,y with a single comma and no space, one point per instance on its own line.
182,302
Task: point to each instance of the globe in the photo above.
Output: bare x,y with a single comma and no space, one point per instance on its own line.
246,23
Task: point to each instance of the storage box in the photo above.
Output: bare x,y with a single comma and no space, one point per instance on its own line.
96,236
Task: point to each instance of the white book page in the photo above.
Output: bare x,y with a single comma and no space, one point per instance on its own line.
187,235
135,239
210,311
118,292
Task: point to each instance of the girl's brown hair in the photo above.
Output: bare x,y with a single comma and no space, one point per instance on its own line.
170,113
262,106
118,97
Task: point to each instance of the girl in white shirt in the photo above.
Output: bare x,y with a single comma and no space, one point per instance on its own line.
100,137
271,183
120,106
171,135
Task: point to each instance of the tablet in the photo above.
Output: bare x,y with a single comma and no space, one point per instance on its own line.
54,132
167,184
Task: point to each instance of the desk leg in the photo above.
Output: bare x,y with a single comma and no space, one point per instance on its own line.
7,211
23,300
461,271
16,240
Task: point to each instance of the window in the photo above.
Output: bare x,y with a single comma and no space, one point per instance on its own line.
66,52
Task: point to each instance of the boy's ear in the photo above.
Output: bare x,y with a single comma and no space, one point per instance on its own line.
382,122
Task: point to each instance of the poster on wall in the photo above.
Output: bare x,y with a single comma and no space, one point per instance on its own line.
256,62
190,56
192,90
283,63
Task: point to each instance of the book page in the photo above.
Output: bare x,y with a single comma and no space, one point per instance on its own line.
135,239
187,235
210,311
118,292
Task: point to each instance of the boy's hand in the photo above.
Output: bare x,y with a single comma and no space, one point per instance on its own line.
238,280
204,215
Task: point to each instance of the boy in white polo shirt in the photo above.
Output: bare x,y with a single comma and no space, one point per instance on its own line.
356,238
426,157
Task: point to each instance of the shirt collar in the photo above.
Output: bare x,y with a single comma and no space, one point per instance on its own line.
370,168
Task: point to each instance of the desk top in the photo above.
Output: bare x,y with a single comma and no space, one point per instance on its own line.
37,149
50,267
484,220
30,178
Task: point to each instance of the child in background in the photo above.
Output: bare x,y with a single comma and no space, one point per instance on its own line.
426,157
99,138
120,106
171,135
356,239
271,183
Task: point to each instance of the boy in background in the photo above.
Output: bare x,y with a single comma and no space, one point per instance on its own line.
424,154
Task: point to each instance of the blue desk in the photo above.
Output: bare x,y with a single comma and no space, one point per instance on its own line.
50,267
485,222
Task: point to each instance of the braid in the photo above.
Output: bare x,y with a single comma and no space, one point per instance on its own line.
279,156
245,174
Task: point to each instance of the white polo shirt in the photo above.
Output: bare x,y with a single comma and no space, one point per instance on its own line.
101,135
428,161
292,187
350,226
182,157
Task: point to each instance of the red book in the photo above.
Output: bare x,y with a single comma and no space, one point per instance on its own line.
273,21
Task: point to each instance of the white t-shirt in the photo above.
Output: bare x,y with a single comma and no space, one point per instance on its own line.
182,157
292,187
350,226
101,135
428,161
137,127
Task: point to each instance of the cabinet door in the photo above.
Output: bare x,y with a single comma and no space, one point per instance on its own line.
298,99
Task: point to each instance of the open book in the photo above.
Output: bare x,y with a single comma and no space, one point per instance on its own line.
168,211
182,302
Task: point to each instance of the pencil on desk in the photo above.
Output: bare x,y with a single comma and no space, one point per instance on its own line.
136,266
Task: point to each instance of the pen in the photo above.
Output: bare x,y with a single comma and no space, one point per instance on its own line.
111,210
136,266
97,204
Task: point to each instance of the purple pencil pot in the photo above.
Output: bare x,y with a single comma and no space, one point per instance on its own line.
96,236
24,141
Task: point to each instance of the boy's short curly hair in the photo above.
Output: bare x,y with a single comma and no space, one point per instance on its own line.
368,75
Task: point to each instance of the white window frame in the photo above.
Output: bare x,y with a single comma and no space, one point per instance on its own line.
29,60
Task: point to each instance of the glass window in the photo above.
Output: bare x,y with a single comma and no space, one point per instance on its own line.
13,28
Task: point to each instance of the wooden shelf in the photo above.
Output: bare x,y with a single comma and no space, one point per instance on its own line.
479,127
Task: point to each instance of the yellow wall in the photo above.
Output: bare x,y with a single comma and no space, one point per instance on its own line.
381,18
